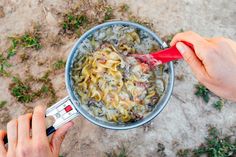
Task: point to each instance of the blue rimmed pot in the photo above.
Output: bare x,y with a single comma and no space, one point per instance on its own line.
70,107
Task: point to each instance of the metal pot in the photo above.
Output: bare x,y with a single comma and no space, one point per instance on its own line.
70,107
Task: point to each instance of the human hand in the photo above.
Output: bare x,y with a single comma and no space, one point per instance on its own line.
22,144
213,62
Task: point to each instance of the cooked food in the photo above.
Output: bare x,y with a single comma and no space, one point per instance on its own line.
112,84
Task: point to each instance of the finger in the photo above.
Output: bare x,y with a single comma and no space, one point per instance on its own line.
12,128
190,37
193,61
59,136
24,128
3,150
39,123
202,47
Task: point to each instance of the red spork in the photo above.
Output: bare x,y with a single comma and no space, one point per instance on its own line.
162,56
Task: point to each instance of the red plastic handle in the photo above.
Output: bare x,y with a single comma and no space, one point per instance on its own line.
170,54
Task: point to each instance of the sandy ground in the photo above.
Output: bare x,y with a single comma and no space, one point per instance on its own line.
182,124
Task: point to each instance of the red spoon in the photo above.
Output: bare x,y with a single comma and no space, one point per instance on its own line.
163,56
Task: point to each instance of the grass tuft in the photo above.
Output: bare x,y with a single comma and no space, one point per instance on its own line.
30,39
169,37
108,13
203,92
218,105
2,103
21,91
72,22
123,8
47,88
60,64
140,21
215,146
120,152
161,150
183,153
4,64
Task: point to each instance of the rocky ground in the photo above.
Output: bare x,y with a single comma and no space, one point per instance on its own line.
184,121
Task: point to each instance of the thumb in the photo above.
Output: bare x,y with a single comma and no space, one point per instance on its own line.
59,136
191,58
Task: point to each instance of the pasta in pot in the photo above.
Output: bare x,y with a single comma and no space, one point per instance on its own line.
111,83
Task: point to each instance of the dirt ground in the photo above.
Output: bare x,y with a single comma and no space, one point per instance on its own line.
182,124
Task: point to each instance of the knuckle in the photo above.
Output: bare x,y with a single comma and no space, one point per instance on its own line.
2,133
220,39
179,35
219,42
189,32
40,147
60,138
3,154
189,58
24,117
23,151
209,52
201,78
38,115
39,110
12,122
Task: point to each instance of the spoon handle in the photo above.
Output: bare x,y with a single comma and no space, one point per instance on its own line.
170,54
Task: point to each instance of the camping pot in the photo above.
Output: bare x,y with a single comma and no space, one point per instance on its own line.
69,108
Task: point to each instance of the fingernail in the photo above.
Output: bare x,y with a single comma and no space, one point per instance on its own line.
180,47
